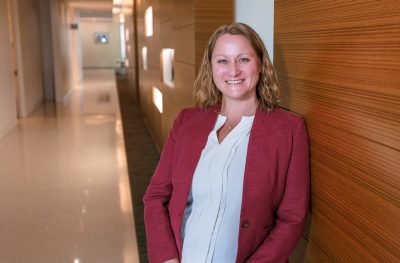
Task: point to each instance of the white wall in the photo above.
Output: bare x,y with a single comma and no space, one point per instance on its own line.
100,55
259,14
47,50
31,54
75,47
61,50
8,107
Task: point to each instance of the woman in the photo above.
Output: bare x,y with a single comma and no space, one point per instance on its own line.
232,184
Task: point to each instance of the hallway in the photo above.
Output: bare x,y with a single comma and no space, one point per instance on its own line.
64,186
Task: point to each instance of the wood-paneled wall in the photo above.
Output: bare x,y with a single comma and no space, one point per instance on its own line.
185,26
131,54
338,64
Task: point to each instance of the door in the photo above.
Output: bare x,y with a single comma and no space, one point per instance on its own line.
13,48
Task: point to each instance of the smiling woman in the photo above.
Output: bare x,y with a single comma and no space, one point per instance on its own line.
232,184
236,68
267,91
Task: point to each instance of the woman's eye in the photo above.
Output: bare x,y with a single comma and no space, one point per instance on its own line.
221,61
244,60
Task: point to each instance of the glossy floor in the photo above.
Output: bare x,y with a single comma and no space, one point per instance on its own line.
64,187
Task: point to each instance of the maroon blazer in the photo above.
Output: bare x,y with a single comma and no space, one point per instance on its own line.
276,186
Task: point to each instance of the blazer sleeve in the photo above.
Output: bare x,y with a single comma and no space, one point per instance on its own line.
161,244
292,212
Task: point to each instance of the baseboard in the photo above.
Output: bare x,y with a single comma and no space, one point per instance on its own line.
31,109
153,137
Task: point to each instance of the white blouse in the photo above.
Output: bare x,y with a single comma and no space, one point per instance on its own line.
210,226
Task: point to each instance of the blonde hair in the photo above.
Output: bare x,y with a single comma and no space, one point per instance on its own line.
206,93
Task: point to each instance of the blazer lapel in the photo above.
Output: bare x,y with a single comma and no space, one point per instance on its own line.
196,135
255,161
194,140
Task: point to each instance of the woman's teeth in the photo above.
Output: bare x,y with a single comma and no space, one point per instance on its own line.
234,81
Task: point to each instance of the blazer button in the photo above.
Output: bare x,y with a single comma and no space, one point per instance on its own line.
245,224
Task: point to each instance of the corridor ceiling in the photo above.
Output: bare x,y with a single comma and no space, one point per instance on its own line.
92,8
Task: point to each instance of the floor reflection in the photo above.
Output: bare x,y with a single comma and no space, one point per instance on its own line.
64,187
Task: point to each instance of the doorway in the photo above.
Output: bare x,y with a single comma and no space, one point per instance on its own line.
14,47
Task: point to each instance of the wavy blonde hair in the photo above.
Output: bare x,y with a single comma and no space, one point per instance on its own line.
207,94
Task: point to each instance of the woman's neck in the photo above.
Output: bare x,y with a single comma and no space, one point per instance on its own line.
235,110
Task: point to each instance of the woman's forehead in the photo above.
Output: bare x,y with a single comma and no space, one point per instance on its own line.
228,43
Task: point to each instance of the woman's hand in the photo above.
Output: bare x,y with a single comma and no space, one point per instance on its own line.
175,260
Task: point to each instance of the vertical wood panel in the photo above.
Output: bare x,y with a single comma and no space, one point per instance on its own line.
184,26
209,16
131,55
338,64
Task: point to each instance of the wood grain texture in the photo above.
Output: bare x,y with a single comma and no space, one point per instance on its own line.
131,55
209,16
338,63
184,26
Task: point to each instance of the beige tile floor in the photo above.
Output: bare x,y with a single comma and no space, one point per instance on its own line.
64,187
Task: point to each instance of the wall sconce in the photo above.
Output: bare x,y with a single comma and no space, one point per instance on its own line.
158,99
167,66
126,34
144,57
148,22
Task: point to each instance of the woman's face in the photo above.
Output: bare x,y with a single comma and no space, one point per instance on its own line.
235,67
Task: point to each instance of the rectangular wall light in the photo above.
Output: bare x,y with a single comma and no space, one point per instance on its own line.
144,57
148,22
167,66
158,99
126,34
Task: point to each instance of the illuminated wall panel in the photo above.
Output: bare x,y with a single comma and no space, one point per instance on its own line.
167,66
158,99
148,22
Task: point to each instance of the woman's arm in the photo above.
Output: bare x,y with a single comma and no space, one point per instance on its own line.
160,238
292,211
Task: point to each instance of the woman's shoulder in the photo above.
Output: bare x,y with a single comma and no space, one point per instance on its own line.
285,114
283,117
193,118
192,112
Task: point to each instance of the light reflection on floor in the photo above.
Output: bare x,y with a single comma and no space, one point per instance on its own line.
64,189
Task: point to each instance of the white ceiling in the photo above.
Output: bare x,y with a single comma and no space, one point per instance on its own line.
92,8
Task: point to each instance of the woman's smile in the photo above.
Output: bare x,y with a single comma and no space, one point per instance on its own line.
235,67
233,82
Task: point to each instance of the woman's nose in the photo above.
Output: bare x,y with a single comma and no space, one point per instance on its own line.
234,69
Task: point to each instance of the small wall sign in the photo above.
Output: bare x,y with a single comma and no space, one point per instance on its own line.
101,38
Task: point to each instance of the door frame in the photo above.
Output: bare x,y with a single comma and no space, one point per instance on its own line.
16,55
